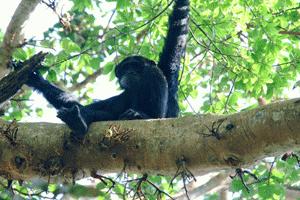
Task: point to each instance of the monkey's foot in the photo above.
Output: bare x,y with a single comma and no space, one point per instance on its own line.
73,118
131,114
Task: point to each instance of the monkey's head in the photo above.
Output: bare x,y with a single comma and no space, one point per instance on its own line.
131,70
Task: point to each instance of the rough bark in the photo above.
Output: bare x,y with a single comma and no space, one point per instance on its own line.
292,193
151,146
12,35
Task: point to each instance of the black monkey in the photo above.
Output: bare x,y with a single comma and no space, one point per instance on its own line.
145,96
145,88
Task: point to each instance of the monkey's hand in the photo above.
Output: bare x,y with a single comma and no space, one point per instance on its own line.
131,114
34,79
73,118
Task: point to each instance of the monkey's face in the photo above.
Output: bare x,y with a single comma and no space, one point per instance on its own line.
131,70
129,75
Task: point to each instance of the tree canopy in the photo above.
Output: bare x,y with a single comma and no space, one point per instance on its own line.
240,55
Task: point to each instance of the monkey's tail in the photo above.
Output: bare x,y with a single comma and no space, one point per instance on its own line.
174,49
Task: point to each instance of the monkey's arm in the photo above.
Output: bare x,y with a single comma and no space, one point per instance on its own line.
54,95
174,48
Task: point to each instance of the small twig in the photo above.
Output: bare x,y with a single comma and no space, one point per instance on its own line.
289,33
154,17
138,188
102,179
240,173
27,194
286,10
291,154
123,171
229,94
270,171
64,20
71,57
108,23
88,79
186,99
20,100
184,173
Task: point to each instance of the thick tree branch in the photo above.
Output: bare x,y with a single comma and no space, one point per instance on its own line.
207,143
292,193
12,35
3,107
11,83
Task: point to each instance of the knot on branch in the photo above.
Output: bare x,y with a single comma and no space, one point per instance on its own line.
114,136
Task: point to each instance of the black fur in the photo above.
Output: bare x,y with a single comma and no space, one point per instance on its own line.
174,49
145,86
145,96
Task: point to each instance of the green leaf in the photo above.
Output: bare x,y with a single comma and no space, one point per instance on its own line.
47,43
52,76
39,112
82,4
234,98
69,46
20,54
121,4
236,185
108,68
17,115
95,63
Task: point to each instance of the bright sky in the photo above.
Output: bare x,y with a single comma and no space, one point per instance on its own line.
40,20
